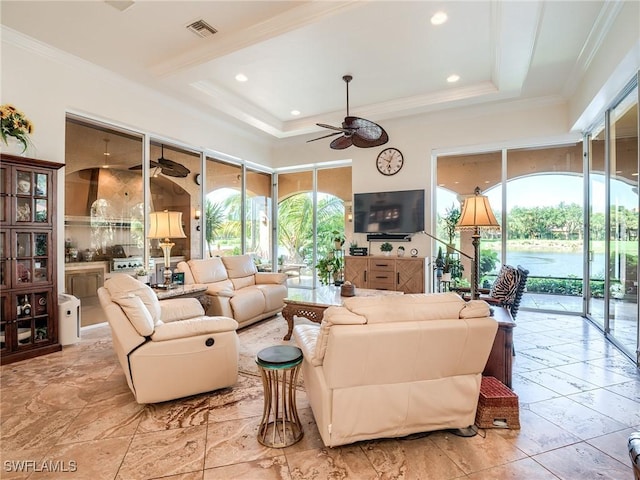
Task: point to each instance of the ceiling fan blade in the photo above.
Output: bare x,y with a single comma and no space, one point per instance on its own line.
152,164
331,127
325,136
173,169
364,128
360,142
341,143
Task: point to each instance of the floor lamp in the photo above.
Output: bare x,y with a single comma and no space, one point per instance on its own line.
165,226
477,214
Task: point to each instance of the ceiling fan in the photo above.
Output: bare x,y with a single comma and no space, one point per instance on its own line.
167,167
355,130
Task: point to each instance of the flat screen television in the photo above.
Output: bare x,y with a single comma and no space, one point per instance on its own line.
389,212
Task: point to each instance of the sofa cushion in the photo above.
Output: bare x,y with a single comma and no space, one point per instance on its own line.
137,313
192,327
239,266
247,303
208,270
334,316
475,309
121,285
274,296
243,282
406,308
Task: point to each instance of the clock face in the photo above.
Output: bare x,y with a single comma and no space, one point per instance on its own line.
389,161
414,252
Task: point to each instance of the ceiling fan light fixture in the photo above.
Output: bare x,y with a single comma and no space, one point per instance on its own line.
241,77
453,78
356,131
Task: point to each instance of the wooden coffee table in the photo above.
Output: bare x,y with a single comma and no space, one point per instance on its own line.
311,304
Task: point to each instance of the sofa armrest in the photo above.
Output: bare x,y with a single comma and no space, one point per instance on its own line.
193,327
174,309
220,289
271,277
306,337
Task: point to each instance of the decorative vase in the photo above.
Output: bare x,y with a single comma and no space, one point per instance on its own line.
13,147
401,252
386,254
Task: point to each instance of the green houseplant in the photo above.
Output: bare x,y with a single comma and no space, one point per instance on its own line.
450,222
386,248
329,268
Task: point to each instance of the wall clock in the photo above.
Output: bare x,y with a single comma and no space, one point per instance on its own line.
389,161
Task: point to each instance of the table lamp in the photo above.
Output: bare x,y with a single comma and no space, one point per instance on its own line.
166,225
477,214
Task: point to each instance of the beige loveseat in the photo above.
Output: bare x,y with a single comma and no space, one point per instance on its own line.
389,366
236,289
168,349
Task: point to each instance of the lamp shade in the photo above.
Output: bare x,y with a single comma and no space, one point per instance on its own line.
476,212
166,225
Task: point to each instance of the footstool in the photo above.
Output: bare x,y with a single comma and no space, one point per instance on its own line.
279,367
497,406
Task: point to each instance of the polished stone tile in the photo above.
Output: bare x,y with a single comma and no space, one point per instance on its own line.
35,430
582,461
311,436
614,444
536,434
630,390
19,464
169,452
526,468
186,412
612,405
596,375
345,463
544,356
235,441
236,403
93,460
417,458
559,382
273,468
183,476
486,450
575,418
529,391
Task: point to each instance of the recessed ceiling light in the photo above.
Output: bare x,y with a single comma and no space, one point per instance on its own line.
439,18
295,113
453,78
241,77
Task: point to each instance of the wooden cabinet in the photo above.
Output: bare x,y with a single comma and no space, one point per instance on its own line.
28,291
84,284
403,274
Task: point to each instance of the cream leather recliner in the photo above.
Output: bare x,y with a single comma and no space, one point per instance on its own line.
389,366
168,349
236,289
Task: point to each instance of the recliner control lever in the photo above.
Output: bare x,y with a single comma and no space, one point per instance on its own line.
209,342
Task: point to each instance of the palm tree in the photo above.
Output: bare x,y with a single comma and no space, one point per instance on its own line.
214,217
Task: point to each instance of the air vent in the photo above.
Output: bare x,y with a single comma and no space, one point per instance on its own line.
201,28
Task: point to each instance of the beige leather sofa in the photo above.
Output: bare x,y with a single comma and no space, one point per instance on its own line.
389,366
168,349
236,289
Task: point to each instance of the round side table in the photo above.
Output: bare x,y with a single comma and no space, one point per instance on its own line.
279,367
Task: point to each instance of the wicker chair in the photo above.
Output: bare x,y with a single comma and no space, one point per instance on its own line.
511,302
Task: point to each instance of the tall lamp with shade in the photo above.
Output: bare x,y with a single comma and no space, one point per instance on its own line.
477,214
166,225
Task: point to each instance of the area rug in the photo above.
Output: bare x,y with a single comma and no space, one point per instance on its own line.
263,334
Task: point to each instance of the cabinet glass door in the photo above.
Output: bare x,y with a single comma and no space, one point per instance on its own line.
32,252
4,311
4,259
4,199
31,190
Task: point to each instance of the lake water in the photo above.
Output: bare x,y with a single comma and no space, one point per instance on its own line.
555,264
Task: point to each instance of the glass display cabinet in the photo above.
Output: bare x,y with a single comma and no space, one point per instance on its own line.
28,290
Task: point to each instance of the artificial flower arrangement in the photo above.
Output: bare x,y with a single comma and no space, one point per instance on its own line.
14,123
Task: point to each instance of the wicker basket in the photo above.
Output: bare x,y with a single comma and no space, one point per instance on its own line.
497,405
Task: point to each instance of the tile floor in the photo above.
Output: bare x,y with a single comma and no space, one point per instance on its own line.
72,410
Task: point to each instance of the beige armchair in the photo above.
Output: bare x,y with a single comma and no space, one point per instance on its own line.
168,349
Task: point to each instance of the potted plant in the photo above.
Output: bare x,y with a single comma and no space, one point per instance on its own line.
142,275
450,222
15,127
338,239
439,263
329,269
386,248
